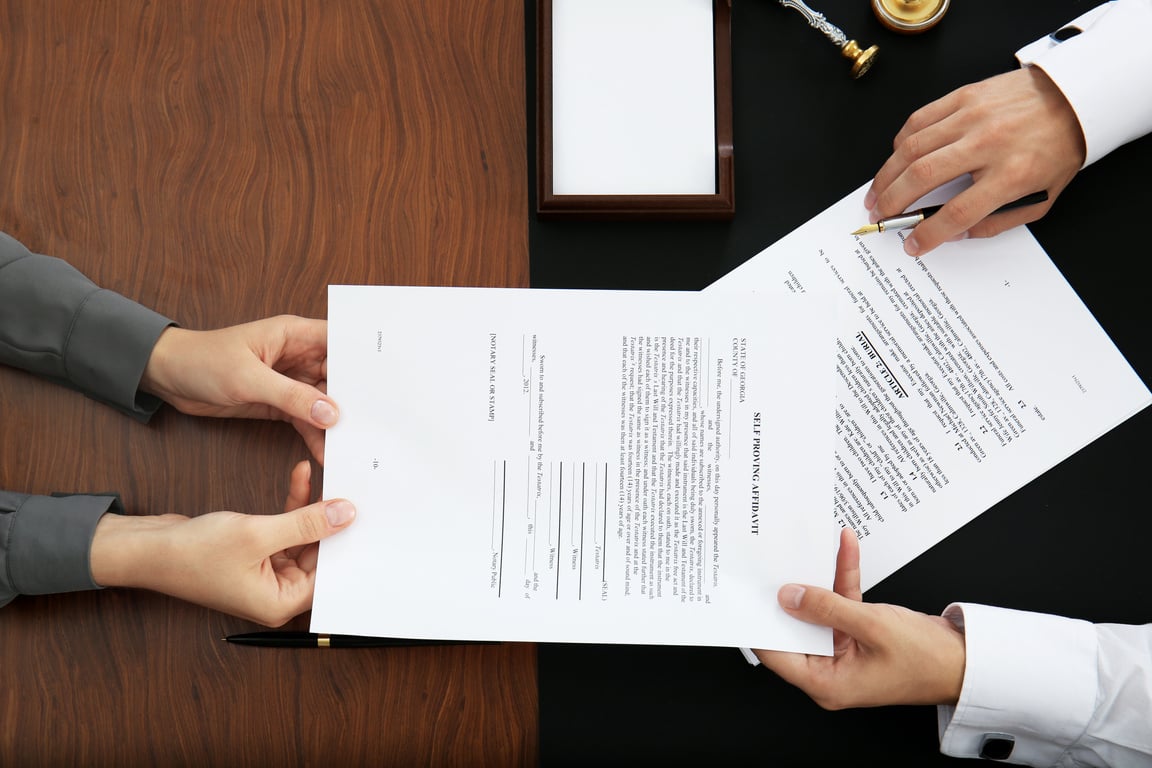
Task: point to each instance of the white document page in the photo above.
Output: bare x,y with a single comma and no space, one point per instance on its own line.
633,102
961,376
583,466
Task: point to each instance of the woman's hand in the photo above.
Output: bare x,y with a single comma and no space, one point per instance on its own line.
258,567
276,368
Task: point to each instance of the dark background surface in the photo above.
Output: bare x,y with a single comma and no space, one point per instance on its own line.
1070,542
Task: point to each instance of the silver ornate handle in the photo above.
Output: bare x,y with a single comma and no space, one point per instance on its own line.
817,20
862,58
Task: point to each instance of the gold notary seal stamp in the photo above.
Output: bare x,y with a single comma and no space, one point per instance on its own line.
909,16
862,58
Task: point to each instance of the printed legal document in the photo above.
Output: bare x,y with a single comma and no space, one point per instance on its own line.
578,466
961,376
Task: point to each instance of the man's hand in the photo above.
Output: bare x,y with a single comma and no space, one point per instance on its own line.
1014,133
884,654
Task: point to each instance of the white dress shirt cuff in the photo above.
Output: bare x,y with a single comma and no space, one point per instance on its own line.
1030,676
1105,72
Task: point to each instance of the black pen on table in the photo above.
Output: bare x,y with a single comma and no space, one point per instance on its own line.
278,639
912,218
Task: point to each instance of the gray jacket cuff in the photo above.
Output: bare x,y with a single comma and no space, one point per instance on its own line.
109,348
46,541
57,323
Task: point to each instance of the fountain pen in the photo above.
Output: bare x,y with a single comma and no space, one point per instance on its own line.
912,218
312,640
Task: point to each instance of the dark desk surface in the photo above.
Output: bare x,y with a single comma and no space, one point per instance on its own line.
223,161
1071,542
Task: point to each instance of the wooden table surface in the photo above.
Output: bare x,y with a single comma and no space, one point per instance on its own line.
221,162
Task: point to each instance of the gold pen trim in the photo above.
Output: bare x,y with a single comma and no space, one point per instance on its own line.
323,641
903,221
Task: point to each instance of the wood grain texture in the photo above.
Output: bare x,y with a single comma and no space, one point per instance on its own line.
221,162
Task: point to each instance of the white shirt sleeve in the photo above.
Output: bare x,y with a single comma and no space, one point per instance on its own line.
1067,692
1105,72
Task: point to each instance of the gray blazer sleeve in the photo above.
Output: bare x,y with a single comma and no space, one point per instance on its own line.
56,323
45,542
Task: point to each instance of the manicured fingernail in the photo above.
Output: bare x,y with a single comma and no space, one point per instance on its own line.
962,236
869,199
912,246
323,413
791,595
340,512
873,216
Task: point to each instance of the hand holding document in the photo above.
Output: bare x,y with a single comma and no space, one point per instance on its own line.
578,466
961,376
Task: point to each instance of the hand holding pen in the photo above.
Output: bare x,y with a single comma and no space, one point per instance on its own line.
1012,133
913,218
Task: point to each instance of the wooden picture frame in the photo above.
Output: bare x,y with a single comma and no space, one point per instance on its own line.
720,205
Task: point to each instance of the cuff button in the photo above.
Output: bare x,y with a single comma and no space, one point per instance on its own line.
997,746
1064,33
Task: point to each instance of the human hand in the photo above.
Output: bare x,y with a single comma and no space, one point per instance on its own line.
883,654
258,567
1014,133
276,368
